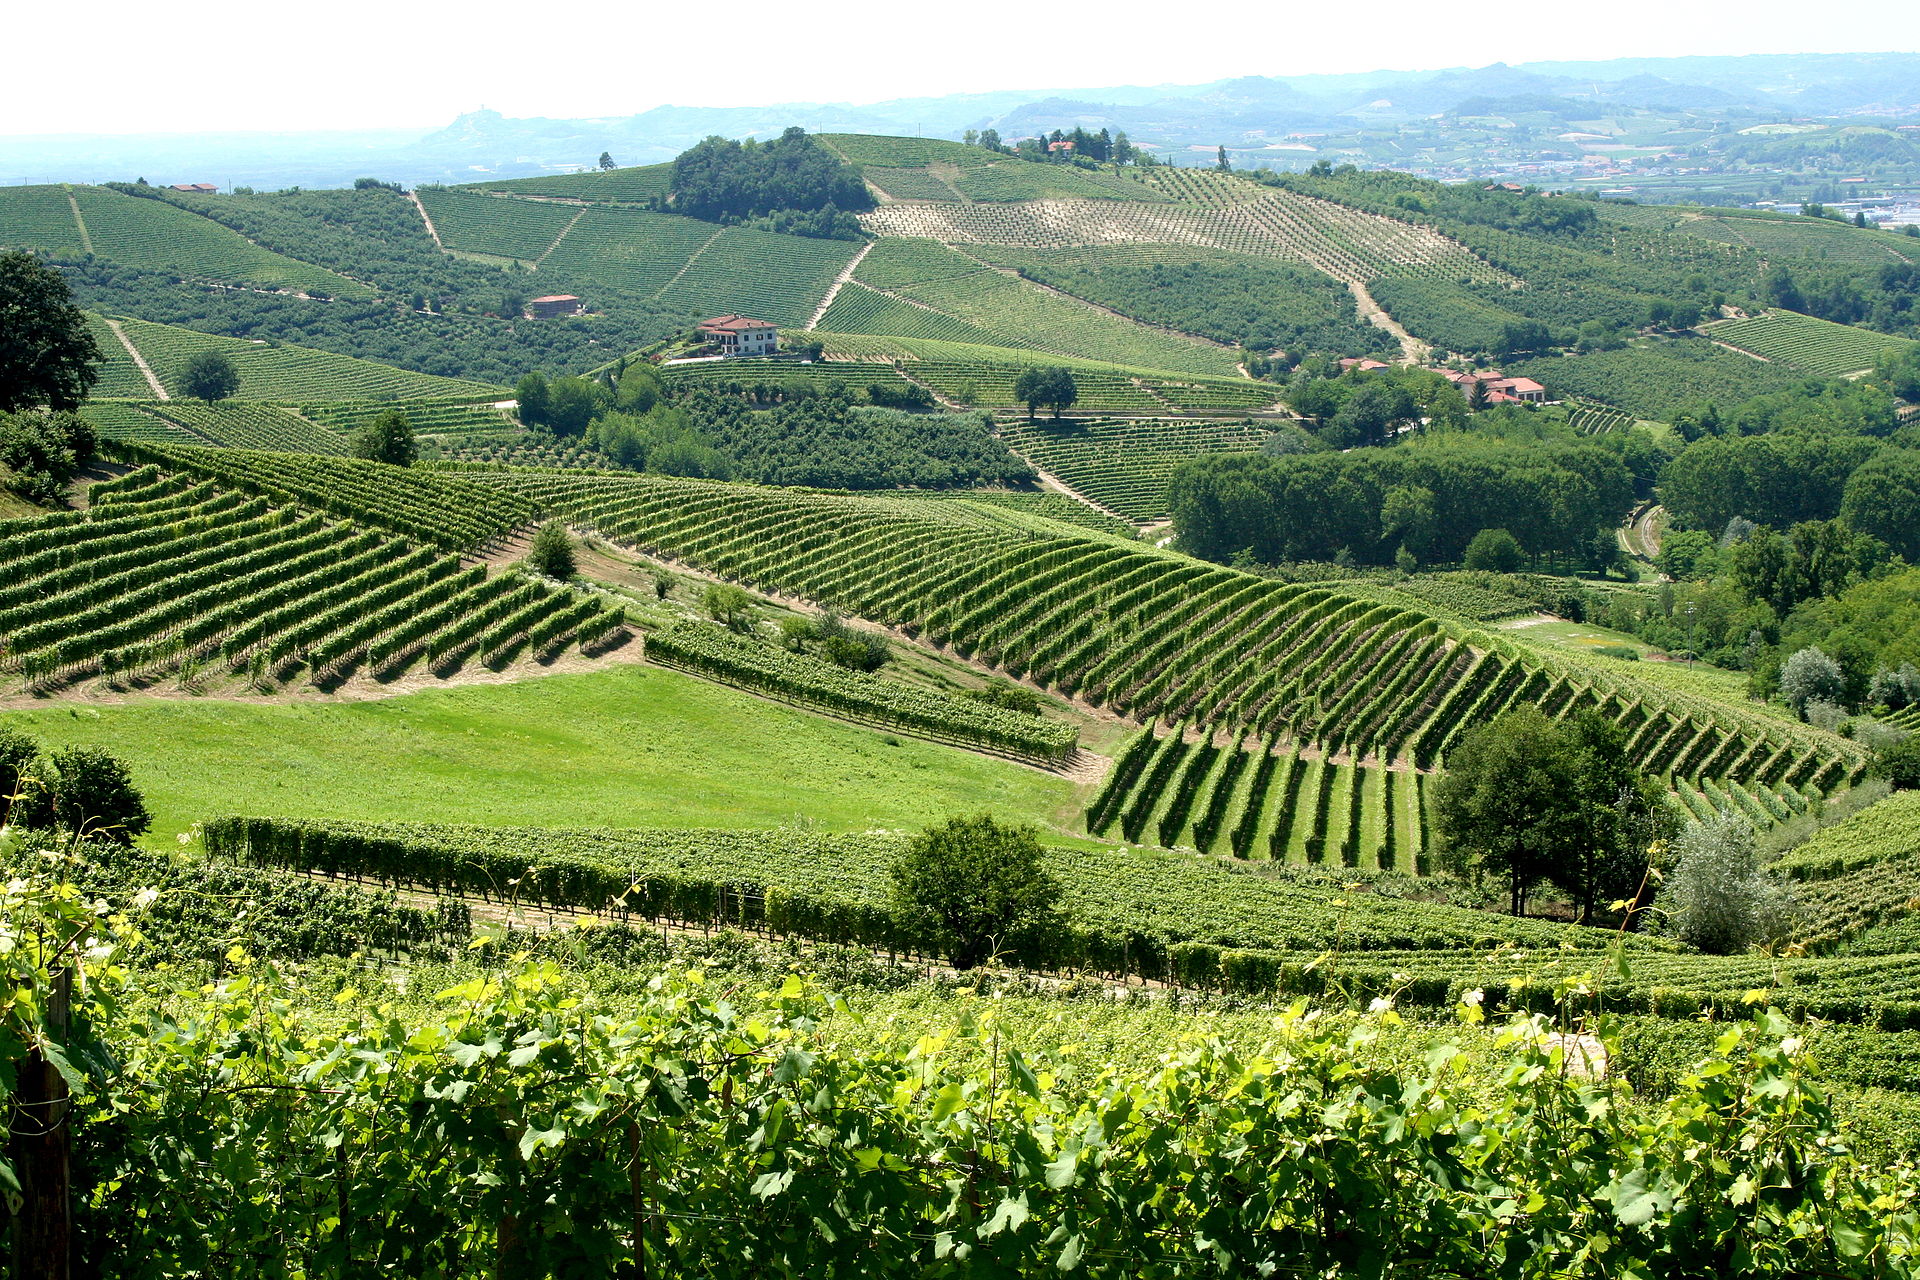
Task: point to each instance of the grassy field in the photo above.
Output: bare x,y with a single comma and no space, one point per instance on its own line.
627,746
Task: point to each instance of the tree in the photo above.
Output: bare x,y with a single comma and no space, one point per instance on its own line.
1221,162
727,604
1811,676
93,795
1620,814
1496,551
208,376
662,583
1608,555
606,161
41,451
978,887
1718,899
388,438
1049,385
551,551
1882,498
47,353
1505,804
990,139
25,800
531,394
1899,764
573,403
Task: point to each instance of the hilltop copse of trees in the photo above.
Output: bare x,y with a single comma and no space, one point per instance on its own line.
792,184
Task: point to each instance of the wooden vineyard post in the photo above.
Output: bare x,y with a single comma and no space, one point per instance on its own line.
42,1154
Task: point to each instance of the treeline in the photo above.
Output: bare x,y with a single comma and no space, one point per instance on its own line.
1402,195
1429,498
792,181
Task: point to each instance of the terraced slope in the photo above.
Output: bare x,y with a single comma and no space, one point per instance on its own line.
1350,245
1151,633
289,373
1806,342
1860,876
250,426
162,571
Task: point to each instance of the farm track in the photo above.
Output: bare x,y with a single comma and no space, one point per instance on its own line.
562,236
1412,349
428,219
685,266
839,282
140,361
80,223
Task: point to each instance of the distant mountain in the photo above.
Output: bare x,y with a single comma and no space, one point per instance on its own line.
1242,111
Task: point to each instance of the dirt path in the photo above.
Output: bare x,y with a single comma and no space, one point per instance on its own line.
1054,483
574,221
431,229
86,237
839,281
685,266
1412,350
146,371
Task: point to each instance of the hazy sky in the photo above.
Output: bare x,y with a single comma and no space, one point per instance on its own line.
112,66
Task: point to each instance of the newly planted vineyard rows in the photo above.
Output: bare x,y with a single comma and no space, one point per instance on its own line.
855,695
1219,794
1124,464
160,572
523,229
289,373
635,185
436,507
1150,633
1804,342
1345,243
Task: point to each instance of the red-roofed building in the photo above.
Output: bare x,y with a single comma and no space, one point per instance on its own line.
555,305
194,188
1065,145
741,335
1364,366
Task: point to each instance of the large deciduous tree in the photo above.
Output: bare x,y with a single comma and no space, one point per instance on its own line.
208,376
47,354
388,438
980,886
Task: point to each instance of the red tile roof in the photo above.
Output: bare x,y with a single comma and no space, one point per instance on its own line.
558,297
721,324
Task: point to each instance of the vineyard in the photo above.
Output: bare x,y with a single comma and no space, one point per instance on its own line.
1221,795
1124,464
1050,506
39,218
764,378
1345,243
288,373
974,375
163,237
1805,343
854,695
635,185
120,377
520,229
441,508
249,426
1200,922
515,449
934,169
977,299
1813,239
1591,418
1860,875
1152,634
162,573
117,420
426,417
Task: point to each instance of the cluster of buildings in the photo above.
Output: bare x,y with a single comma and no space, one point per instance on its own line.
1494,387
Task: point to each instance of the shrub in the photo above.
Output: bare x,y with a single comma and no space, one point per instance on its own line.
1495,550
1811,676
93,793
1718,899
552,551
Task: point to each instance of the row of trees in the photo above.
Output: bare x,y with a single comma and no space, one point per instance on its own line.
1429,498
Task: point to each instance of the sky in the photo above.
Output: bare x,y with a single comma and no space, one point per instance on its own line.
217,65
